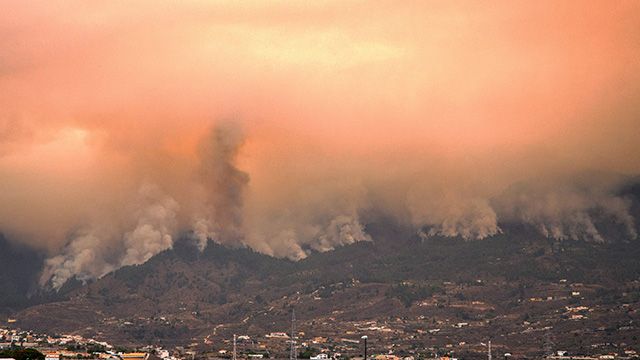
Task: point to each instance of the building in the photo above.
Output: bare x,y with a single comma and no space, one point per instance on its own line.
321,356
281,335
135,356
52,356
387,357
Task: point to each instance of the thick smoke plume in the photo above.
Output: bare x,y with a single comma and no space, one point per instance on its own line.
155,228
83,258
98,249
223,186
454,119
569,210
471,218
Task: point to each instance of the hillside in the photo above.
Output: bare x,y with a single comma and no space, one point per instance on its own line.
507,284
181,295
20,267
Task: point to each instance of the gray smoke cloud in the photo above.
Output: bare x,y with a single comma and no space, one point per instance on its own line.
306,214
575,206
341,117
150,224
223,185
325,213
342,230
451,216
310,213
570,210
156,227
83,258
99,248
297,241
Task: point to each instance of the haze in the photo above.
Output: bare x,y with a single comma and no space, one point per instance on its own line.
277,125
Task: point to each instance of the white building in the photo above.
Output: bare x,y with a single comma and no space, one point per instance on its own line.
321,356
52,356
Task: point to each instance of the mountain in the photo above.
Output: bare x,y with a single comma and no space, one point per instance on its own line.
182,295
518,284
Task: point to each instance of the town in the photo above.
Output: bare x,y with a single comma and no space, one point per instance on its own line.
272,345
555,320
389,339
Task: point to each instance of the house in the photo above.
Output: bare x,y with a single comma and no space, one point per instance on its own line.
52,356
321,356
281,335
107,356
135,356
319,340
387,357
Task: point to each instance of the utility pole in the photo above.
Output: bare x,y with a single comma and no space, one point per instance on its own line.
365,337
234,346
293,354
489,350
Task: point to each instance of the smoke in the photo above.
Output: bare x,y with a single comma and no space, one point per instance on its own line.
223,186
306,213
155,229
97,249
569,210
342,230
452,216
296,242
112,143
83,258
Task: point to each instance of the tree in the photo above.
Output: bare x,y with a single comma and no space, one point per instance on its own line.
22,354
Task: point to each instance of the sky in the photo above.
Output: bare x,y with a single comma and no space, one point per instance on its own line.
277,125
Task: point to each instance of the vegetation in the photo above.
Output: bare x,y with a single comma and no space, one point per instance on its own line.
307,353
409,293
22,354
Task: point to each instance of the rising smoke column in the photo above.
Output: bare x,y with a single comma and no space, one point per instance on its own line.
223,186
155,229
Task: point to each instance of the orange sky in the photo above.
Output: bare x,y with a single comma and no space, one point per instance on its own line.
356,100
